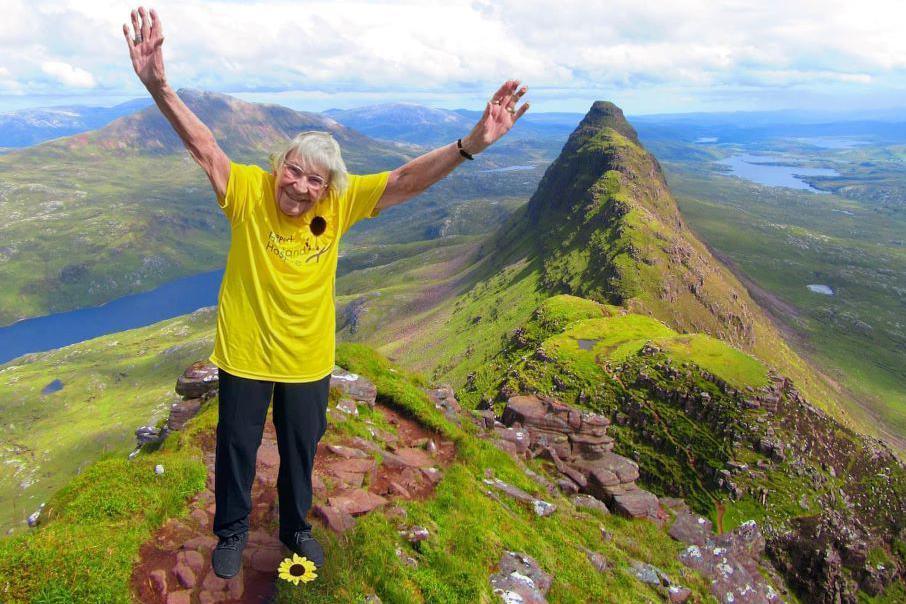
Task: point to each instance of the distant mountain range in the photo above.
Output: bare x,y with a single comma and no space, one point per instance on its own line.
122,209
427,126
32,126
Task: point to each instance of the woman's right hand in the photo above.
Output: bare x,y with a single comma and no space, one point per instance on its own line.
145,48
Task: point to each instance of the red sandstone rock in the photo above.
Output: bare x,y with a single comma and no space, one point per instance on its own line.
637,504
159,580
200,542
266,559
192,559
361,466
199,516
182,412
354,386
337,520
356,501
347,452
269,454
180,597
185,575
415,457
350,479
197,380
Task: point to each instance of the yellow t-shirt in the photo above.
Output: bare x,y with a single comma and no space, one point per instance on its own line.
275,312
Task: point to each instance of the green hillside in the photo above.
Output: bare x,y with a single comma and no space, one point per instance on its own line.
594,293
602,225
120,210
112,503
64,408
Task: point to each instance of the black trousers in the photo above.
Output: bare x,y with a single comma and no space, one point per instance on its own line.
300,419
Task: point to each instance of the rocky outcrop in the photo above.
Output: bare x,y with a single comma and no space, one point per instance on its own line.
444,400
354,387
578,445
732,561
520,580
827,556
198,383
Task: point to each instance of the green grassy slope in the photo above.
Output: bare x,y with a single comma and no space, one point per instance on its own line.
89,218
110,386
603,225
785,239
680,407
465,524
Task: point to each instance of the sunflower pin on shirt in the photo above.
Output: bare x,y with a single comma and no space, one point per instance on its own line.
296,569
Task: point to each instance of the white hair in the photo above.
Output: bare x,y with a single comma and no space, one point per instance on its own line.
320,148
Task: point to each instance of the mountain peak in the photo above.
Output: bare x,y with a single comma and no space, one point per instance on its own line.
604,114
606,227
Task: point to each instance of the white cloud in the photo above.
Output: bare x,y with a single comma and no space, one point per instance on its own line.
68,75
466,47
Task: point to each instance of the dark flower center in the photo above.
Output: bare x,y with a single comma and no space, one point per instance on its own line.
297,570
318,225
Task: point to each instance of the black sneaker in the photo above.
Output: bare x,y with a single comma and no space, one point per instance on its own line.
227,558
306,545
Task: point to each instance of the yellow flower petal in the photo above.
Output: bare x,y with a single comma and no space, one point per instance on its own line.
308,569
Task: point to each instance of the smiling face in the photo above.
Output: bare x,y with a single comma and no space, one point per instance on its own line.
300,185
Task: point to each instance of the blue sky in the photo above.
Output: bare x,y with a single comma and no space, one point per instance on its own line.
671,56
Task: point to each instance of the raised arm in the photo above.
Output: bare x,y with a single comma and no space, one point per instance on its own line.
414,177
148,61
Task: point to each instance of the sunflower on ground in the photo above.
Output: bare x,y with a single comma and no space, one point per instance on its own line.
298,568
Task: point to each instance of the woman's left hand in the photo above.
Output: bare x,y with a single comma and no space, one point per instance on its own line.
499,116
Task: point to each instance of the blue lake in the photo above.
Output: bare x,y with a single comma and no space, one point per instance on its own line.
170,300
509,169
757,168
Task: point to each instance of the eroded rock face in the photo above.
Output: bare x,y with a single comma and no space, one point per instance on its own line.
353,386
198,380
826,556
578,445
520,580
444,399
572,433
198,383
730,560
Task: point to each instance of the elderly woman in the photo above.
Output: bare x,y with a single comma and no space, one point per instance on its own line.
276,317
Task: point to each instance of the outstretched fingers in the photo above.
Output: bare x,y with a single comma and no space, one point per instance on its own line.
128,36
146,24
156,26
502,93
521,111
511,87
136,24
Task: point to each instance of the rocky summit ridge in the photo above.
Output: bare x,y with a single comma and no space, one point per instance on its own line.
607,228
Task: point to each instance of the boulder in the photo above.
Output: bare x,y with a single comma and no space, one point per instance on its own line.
182,412
691,528
354,386
356,501
338,520
592,503
199,380
637,503
731,562
520,579
444,399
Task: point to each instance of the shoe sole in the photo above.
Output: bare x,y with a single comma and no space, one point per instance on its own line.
226,576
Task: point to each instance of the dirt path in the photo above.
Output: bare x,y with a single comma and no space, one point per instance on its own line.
175,564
